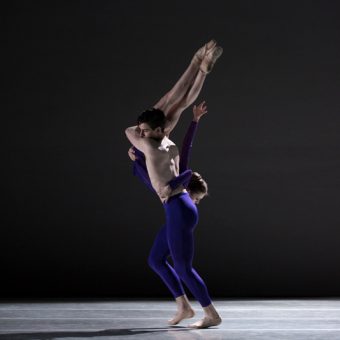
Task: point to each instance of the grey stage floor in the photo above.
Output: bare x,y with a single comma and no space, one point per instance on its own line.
146,319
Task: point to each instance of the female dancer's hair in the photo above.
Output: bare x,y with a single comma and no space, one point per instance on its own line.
153,117
197,184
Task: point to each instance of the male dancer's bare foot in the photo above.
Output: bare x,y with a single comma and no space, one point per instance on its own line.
180,315
206,322
184,310
211,318
210,59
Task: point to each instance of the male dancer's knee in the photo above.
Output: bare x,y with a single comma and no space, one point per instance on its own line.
155,262
184,270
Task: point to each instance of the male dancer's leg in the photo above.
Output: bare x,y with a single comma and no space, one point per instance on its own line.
182,217
158,262
181,220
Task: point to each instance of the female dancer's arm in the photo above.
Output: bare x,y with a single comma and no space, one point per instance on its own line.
185,173
140,171
139,166
198,111
187,146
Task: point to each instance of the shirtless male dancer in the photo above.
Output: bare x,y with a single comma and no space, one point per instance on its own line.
150,136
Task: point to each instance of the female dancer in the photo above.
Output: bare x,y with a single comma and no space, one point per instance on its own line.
197,189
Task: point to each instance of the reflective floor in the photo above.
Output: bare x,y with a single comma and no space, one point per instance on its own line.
245,319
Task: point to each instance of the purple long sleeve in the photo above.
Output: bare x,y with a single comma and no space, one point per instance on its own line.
187,146
183,178
140,170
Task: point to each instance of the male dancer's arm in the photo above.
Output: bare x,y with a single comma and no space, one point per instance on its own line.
133,135
141,145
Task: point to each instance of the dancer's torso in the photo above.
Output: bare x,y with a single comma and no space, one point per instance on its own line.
162,162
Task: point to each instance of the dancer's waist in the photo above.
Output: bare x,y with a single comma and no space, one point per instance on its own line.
175,195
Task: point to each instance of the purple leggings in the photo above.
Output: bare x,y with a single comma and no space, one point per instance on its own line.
176,239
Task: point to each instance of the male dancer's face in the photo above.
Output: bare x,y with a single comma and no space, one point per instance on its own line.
147,132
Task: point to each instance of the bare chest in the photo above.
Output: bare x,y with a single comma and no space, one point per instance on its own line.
166,153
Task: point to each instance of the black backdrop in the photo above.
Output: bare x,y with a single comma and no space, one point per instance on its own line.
76,223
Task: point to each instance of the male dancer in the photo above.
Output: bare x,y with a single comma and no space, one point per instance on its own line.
162,158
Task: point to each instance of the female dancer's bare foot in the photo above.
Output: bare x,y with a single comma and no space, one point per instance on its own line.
200,54
210,59
206,322
180,315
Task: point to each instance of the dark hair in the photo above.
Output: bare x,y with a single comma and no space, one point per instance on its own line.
197,184
153,117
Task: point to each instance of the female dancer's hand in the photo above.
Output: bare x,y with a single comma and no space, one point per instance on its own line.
131,154
199,111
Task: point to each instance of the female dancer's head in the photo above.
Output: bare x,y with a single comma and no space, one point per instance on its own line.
197,187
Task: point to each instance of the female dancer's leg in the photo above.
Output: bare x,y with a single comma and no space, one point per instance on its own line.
183,84
184,91
190,96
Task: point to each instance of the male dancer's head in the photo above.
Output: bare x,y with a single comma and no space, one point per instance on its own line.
151,124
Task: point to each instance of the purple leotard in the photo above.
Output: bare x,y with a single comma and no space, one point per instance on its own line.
140,170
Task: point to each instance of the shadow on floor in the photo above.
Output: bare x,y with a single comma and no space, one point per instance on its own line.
175,331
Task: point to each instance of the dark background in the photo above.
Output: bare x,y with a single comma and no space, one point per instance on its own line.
76,223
